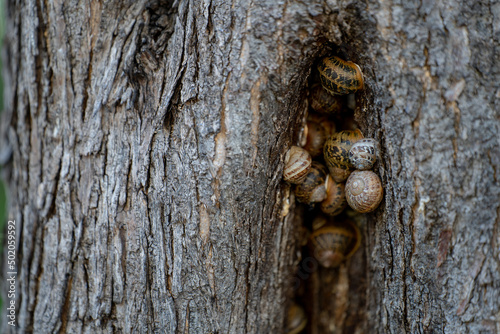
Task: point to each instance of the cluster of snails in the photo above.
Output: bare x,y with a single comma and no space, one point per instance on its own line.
333,169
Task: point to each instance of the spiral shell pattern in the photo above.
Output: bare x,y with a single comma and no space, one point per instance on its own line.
363,154
297,164
364,191
340,77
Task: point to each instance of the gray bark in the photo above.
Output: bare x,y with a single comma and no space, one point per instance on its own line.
148,142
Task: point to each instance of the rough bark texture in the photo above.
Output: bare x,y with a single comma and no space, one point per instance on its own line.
148,140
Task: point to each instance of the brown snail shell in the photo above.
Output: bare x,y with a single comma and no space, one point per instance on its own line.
340,77
335,201
323,102
339,174
336,153
296,319
324,121
313,188
363,191
333,243
297,165
316,137
363,154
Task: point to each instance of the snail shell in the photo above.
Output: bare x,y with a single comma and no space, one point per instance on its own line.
324,121
296,319
316,137
339,174
333,243
363,191
363,154
336,153
313,188
297,165
335,201
324,102
340,77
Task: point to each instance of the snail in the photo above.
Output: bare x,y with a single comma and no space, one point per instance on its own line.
335,201
323,102
363,191
313,188
297,165
296,319
339,174
334,242
336,153
316,137
325,122
363,154
340,77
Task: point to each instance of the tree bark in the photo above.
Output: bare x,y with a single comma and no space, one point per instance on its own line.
146,176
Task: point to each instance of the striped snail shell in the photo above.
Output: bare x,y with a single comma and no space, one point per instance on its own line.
313,188
336,153
296,319
335,201
297,165
363,154
363,191
340,77
316,137
333,243
323,102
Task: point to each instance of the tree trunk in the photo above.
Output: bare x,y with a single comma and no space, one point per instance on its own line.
146,177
